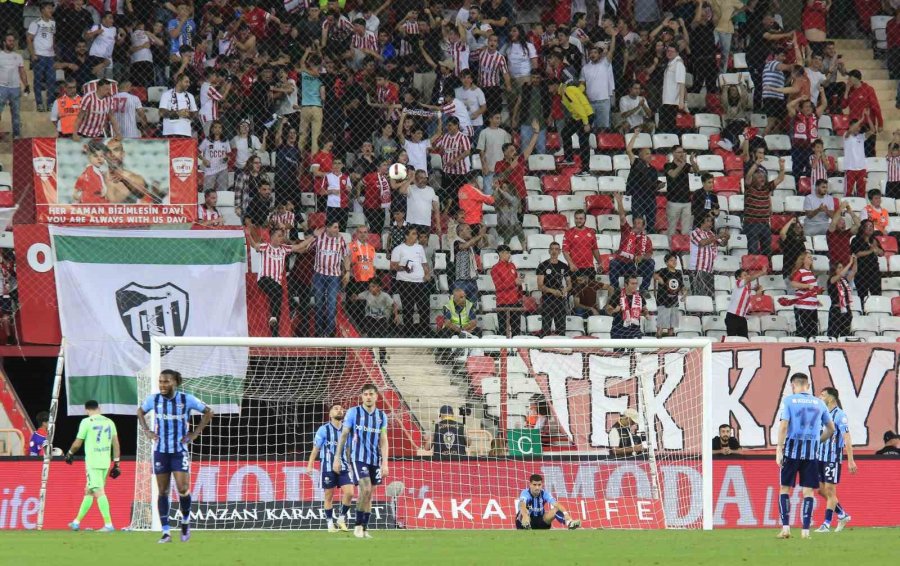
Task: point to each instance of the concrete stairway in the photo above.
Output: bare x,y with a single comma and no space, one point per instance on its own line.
425,392
34,124
857,54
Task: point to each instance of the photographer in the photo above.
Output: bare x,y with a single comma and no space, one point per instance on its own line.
624,438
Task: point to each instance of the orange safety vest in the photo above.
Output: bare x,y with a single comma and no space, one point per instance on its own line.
362,261
67,110
879,217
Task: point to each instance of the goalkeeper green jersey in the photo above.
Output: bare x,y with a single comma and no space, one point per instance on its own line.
97,433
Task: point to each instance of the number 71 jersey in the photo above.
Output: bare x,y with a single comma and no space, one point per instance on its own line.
97,432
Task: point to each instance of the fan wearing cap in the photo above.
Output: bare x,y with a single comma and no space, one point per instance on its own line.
449,438
624,439
538,508
891,444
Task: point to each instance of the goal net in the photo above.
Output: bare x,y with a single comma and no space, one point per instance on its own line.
617,429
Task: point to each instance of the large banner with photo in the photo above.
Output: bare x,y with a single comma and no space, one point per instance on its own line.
588,391
114,182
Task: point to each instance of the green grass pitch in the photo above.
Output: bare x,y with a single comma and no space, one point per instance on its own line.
856,547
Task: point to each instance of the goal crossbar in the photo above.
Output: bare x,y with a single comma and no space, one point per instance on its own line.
704,345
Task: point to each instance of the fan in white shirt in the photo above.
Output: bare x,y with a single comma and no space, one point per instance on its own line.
178,108
129,112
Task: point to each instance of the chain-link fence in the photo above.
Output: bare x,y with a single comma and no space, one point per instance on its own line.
626,168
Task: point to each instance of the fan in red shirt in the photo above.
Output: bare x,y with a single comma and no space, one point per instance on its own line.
471,201
507,283
580,247
321,165
257,19
512,167
860,99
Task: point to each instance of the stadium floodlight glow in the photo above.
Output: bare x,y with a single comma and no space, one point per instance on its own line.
558,407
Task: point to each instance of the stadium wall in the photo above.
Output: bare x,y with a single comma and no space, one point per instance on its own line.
240,491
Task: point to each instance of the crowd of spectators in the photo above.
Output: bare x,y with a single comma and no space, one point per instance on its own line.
299,109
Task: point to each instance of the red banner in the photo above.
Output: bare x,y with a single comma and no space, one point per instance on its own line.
113,183
37,284
476,494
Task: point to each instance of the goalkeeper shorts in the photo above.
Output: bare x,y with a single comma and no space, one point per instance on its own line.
96,478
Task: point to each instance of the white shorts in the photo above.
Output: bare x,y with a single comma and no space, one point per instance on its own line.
667,317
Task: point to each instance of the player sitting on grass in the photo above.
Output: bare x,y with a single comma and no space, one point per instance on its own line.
830,455
805,422
324,446
171,457
98,434
537,508
368,453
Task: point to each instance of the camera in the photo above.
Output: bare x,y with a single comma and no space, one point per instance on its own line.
465,411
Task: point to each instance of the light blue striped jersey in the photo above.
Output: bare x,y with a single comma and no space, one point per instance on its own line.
535,504
326,441
365,431
772,77
806,415
832,450
172,416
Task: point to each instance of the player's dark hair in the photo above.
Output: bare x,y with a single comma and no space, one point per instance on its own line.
834,393
173,374
535,477
706,176
369,387
799,377
726,425
91,405
42,417
873,193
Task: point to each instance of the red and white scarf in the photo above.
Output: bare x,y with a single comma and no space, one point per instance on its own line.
843,292
631,244
631,315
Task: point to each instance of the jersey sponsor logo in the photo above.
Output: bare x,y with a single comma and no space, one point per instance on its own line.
367,428
153,311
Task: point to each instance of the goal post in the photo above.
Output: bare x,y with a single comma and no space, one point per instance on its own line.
516,407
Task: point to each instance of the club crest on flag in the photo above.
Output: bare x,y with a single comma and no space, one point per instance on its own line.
153,311
182,167
44,167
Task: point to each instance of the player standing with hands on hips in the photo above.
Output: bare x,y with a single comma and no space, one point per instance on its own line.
99,436
368,453
172,409
805,422
324,447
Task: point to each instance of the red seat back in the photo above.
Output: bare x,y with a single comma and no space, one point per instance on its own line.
604,262
777,221
556,184
610,142
728,185
752,262
553,223
658,161
553,141
888,244
761,304
315,220
375,241
681,243
895,306
840,123
734,163
479,367
684,121
804,187
598,204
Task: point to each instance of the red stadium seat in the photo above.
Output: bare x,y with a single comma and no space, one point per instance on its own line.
727,185
375,241
556,184
659,161
439,321
598,204
734,163
140,92
714,140
684,121
895,306
888,244
661,202
776,243
610,142
840,123
681,243
479,367
529,304
662,221
761,304
803,187
315,220
752,262
554,223
569,170
553,141
777,221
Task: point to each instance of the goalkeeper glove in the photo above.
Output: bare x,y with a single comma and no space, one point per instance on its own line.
69,457
115,471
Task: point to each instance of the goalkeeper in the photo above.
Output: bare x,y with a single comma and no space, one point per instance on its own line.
99,436
537,508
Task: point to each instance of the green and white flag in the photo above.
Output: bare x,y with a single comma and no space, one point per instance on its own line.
117,288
